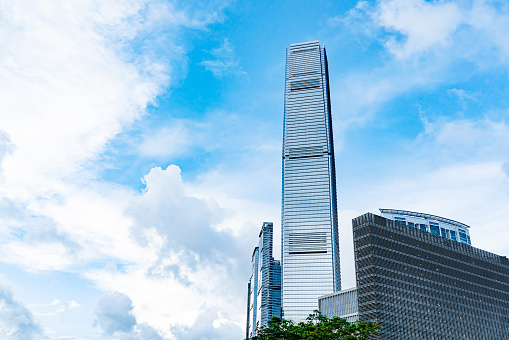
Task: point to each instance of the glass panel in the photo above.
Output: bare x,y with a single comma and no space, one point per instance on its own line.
434,229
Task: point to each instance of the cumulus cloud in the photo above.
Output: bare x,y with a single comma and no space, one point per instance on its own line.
114,316
114,313
189,264
185,221
224,62
16,321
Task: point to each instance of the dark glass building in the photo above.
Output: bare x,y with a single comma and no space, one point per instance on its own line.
264,287
418,285
309,233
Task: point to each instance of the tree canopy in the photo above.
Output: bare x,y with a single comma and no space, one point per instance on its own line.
316,327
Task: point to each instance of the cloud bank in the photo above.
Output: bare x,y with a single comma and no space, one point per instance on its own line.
74,76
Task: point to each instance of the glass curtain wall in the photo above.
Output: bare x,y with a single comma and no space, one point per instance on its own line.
310,242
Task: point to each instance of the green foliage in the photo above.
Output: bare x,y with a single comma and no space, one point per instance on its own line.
316,327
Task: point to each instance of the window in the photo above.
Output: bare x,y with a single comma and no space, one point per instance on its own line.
400,220
422,227
453,235
434,229
411,224
443,232
463,236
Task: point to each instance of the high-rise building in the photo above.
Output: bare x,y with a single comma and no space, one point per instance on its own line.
264,287
418,284
252,292
309,233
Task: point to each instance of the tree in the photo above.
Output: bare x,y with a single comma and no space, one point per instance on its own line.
316,327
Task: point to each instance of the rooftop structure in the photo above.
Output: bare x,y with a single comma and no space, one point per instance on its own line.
447,228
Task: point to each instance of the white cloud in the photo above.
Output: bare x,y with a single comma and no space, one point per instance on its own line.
475,140
114,316
16,321
183,220
166,142
462,95
114,313
167,303
65,89
208,326
54,308
423,24
225,62
466,30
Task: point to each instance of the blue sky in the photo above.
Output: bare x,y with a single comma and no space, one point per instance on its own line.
140,147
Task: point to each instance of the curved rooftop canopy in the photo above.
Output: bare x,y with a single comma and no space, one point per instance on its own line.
423,215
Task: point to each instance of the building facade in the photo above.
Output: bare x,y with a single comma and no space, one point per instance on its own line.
309,233
276,290
264,287
420,285
342,304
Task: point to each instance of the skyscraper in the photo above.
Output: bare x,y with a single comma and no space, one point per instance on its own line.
419,284
252,292
264,288
309,232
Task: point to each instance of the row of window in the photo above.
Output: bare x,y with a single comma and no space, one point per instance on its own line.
435,229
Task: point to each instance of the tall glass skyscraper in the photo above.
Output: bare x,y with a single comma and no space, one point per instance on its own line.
310,241
264,288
